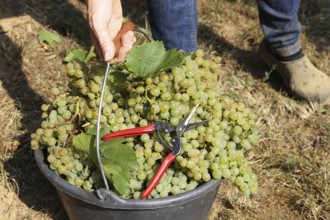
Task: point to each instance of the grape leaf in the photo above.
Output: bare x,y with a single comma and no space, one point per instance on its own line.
121,183
118,81
76,54
118,160
150,58
118,155
118,77
99,69
92,131
90,54
80,55
83,142
48,37
97,179
110,167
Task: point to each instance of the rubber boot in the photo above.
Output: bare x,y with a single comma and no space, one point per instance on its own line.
301,77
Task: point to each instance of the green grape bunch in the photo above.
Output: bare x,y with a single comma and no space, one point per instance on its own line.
213,151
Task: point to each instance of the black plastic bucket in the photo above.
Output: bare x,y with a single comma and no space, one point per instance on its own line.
80,204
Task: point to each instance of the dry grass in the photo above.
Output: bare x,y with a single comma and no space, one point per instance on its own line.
292,161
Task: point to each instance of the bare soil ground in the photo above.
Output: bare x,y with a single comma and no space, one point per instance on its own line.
292,161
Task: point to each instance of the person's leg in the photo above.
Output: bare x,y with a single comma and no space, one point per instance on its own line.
174,22
281,47
281,27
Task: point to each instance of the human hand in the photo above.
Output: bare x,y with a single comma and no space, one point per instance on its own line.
105,21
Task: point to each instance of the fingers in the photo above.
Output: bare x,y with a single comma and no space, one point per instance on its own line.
104,40
105,19
121,56
127,40
96,44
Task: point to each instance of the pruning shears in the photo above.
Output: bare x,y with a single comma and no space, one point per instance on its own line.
161,127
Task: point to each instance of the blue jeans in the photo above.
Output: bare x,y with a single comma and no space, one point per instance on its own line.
175,22
280,24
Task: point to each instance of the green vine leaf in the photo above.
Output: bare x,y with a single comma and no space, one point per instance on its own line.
150,58
120,153
82,142
118,160
81,55
121,181
48,37
92,131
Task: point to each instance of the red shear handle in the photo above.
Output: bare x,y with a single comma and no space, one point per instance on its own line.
159,174
129,132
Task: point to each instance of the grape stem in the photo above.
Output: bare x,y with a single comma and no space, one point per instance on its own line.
61,96
76,114
86,124
146,95
75,98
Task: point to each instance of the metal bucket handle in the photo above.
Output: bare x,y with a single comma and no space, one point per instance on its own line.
98,125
